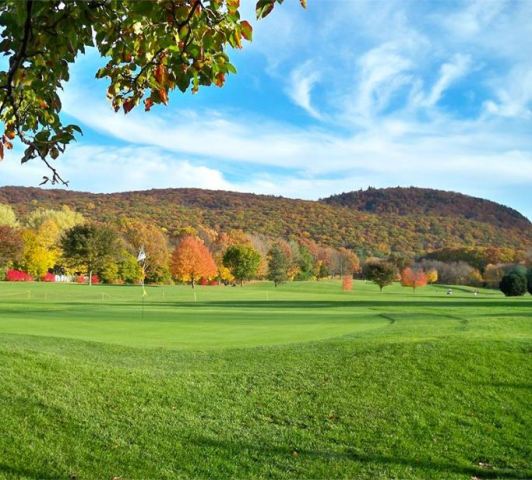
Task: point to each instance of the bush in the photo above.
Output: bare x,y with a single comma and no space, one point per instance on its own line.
529,280
18,276
513,285
48,277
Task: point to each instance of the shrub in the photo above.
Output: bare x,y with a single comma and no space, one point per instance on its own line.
95,279
529,280
80,279
48,277
513,285
347,283
214,283
18,276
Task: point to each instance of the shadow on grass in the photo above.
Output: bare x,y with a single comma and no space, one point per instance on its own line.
351,455
297,304
18,472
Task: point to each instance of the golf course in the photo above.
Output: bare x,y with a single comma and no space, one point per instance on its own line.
300,380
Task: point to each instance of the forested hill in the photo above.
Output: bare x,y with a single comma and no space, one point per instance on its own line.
367,233
426,201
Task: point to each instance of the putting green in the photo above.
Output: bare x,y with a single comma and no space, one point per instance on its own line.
221,317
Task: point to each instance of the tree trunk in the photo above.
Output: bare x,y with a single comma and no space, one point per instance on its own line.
193,283
90,278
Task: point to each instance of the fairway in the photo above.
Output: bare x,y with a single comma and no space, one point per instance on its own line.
302,380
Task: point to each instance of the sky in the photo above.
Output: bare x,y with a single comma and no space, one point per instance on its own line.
338,97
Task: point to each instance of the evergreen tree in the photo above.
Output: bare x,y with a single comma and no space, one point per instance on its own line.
513,285
277,266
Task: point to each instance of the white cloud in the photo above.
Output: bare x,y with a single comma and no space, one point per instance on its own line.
302,80
107,169
450,71
514,94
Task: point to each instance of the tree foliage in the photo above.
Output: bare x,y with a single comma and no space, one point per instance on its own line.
278,265
91,247
151,48
380,272
7,216
192,260
11,246
313,224
513,284
413,277
243,261
37,256
426,201
137,235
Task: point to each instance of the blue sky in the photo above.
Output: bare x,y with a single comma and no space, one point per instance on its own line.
344,95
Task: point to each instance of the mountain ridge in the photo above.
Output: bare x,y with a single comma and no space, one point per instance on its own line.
406,201
325,222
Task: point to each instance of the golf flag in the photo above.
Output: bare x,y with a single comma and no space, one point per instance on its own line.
142,255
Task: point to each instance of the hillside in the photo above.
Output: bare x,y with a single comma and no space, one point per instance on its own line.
367,233
426,201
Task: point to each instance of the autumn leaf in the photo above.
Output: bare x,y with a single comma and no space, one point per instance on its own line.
246,29
163,94
219,79
148,103
160,74
128,105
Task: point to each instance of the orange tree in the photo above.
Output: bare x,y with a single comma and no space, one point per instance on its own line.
413,278
192,260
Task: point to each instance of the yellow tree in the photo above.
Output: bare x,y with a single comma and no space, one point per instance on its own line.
192,260
153,240
37,256
432,276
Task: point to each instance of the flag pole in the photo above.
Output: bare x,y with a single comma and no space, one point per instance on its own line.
141,258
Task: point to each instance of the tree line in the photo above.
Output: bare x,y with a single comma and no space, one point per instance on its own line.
51,242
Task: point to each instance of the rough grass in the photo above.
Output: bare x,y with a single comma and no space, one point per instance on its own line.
302,381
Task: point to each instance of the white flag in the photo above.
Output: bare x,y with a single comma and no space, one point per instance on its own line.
141,255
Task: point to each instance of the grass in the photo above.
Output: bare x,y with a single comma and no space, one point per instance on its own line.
299,381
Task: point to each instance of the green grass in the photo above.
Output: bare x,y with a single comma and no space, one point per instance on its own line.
299,381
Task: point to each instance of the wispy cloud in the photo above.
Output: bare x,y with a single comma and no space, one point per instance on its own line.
302,80
396,93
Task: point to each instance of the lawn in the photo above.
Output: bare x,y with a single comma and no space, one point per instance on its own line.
299,381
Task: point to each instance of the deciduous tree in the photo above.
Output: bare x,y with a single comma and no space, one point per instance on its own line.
413,278
139,235
151,48
192,260
37,256
90,246
11,246
243,261
380,272
7,216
